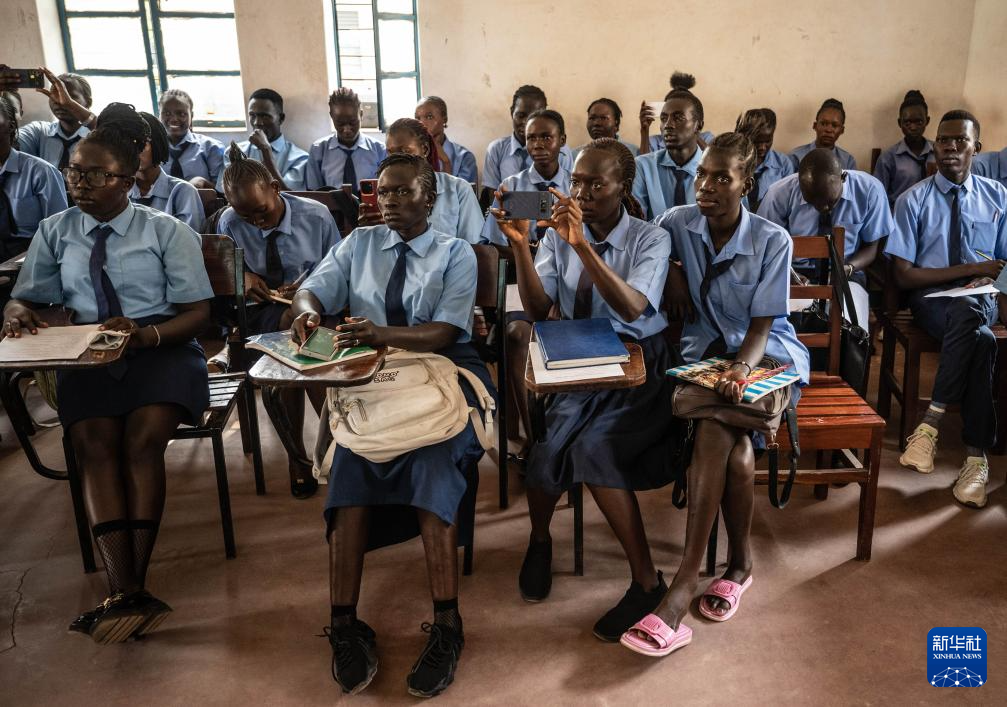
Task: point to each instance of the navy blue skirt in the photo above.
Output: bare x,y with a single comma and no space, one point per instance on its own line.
612,438
434,478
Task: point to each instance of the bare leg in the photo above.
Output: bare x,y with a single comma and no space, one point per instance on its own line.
518,336
622,511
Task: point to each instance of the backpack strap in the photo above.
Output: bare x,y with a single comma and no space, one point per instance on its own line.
483,426
775,497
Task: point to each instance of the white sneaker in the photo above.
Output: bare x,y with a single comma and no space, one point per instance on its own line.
921,446
970,489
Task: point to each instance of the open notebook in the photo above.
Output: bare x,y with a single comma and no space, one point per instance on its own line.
58,343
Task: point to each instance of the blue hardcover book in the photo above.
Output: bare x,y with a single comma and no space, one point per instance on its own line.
571,343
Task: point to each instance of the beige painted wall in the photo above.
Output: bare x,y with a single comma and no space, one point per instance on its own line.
24,45
986,77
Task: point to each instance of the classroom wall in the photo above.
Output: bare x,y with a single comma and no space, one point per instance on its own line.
986,76
25,45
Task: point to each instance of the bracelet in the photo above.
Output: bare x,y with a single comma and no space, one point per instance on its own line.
742,363
158,334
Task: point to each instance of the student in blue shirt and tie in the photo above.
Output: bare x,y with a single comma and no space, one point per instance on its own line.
759,126
506,156
196,158
731,291
459,161
830,123
905,163
406,285
346,156
665,178
30,188
951,230
70,102
136,270
599,259
680,83
604,116
992,165
285,161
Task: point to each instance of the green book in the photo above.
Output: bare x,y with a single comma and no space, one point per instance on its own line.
280,346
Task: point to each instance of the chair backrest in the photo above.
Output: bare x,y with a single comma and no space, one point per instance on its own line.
875,154
343,207
212,202
491,277
817,248
225,265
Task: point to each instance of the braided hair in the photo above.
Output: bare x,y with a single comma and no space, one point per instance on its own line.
158,138
835,104
344,96
627,167
10,113
243,170
419,133
755,121
424,172
914,97
13,96
681,87
740,146
121,131
176,93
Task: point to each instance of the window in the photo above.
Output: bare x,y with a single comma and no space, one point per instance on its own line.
131,50
378,56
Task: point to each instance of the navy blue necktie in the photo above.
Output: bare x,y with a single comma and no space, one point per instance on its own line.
175,168
349,170
712,272
753,196
274,264
395,310
680,177
585,287
824,223
104,293
540,230
923,167
955,231
8,225
64,157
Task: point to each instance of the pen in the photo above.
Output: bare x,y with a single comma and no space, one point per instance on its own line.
983,255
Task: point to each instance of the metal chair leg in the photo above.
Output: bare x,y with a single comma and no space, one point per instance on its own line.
223,494
79,513
252,420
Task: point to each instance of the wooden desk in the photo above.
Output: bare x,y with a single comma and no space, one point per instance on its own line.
10,268
268,371
55,317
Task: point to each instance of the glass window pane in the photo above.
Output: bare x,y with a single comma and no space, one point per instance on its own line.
200,44
214,98
398,52
101,6
89,41
354,16
123,89
357,42
196,5
356,68
402,7
398,99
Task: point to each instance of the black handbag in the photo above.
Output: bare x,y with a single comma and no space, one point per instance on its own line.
854,341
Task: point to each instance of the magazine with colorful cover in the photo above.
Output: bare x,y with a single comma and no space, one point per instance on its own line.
761,381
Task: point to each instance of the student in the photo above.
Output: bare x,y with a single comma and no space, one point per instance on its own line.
665,178
30,188
120,417
603,119
680,82
456,211
70,102
733,299
992,165
599,259
951,230
759,126
822,196
283,237
424,304
459,161
284,160
346,156
159,190
905,163
506,156
196,158
830,123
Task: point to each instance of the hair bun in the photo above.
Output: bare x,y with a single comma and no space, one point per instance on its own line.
234,153
681,81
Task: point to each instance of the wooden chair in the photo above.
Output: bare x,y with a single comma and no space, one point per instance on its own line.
212,202
343,207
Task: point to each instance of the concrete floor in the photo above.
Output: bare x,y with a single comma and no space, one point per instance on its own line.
816,627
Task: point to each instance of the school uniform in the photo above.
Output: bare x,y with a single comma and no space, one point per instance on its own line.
898,168
290,160
195,155
526,180
656,142
661,183
437,285
328,165
992,165
775,167
456,211
635,149
173,196
506,157
151,263
463,162
30,190
846,160
47,140
928,235
612,438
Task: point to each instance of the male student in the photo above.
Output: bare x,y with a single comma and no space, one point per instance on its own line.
347,155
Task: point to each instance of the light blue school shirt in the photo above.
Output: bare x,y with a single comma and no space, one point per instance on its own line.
456,211
35,190
440,284
154,262
463,162
524,181
775,167
634,149
307,230
898,167
202,157
656,142
290,160
638,253
654,186
173,196
992,165
757,284
505,157
923,219
846,160
327,158
41,139
862,210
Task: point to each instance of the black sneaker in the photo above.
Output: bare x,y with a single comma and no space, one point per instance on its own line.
84,622
435,668
354,655
633,606
535,579
119,617
154,610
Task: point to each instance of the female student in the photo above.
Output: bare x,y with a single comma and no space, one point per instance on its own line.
283,237
346,156
830,123
733,298
70,102
406,285
680,82
759,126
604,116
191,156
30,188
905,163
138,271
432,111
599,259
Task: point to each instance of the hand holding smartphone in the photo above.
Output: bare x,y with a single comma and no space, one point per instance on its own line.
534,205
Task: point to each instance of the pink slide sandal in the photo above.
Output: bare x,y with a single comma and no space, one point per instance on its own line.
652,637
728,591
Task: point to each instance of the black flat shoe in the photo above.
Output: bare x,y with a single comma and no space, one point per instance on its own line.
535,580
435,669
304,488
84,622
354,655
634,605
118,619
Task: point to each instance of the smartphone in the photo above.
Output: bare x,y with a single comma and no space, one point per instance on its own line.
534,205
369,192
29,78
657,107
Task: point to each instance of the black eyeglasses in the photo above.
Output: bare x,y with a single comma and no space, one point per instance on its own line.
96,177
